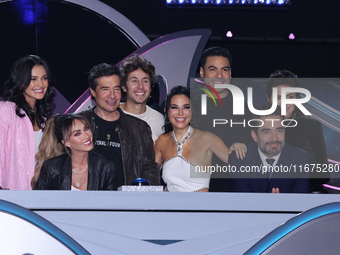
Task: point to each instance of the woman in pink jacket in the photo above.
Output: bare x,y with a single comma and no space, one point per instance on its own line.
23,113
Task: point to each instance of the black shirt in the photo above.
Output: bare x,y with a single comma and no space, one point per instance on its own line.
235,130
108,144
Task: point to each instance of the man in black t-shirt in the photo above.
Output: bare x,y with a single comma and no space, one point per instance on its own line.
125,139
108,143
216,69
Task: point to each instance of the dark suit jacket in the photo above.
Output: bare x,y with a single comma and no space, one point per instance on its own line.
257,182
307,135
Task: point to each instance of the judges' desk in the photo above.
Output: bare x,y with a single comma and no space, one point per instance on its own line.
106,222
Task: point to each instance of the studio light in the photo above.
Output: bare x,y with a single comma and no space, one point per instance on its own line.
291,36
229,34
229,3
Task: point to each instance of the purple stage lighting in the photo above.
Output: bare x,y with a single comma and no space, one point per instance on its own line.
291,36
229,34
230,3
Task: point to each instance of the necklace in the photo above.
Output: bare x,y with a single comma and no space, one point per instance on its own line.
183,140
82,171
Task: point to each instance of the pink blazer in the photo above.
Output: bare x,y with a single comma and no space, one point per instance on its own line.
16,149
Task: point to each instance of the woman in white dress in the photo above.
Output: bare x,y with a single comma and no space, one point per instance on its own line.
184,152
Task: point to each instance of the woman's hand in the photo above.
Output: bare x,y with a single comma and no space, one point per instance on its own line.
204,189
240,149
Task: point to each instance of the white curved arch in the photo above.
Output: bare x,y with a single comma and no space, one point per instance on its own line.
131,30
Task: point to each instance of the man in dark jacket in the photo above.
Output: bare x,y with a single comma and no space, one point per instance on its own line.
270,165
125,139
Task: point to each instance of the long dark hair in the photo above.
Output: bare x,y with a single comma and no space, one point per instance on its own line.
284,77
16,85
178,90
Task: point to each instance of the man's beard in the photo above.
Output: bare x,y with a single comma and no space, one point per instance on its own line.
272,152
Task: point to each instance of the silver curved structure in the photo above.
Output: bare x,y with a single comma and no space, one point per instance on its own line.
136,36
118,222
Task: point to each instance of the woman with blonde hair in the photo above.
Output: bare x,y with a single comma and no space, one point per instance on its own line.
48,148
78,168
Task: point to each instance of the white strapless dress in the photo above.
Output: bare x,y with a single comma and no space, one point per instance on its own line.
179,175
